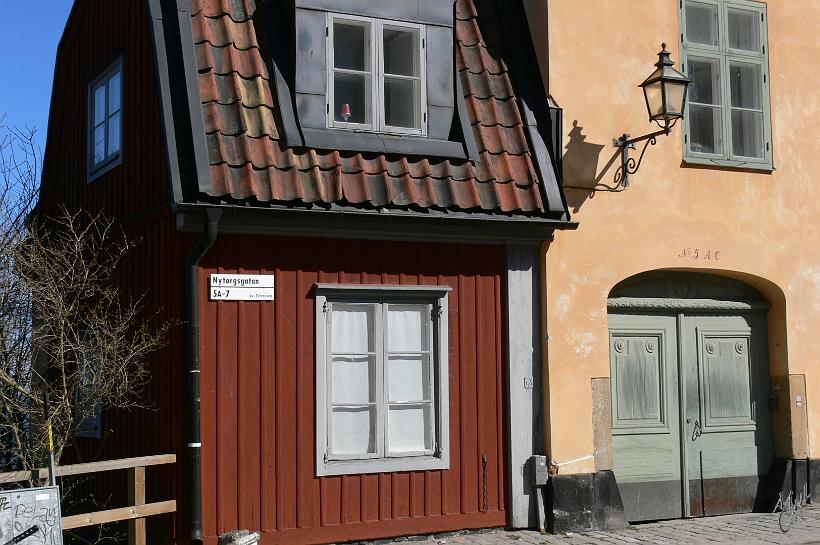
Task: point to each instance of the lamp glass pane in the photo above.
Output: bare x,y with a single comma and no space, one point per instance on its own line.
744,29
746,85
674,98
747,133
654,99
705,76
702,23
705,127
401,51
351,45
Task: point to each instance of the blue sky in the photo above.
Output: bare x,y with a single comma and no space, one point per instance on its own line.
29,33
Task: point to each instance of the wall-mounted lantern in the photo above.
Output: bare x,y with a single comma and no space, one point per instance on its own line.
665,92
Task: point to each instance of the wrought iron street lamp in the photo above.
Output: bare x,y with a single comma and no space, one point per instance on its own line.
665,93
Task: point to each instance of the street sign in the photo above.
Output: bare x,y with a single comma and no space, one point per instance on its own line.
242,287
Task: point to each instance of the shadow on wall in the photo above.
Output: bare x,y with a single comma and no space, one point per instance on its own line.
581,174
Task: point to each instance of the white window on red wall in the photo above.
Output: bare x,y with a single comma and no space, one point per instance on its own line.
381,379
105,98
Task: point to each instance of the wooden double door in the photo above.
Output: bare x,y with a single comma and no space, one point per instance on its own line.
691,427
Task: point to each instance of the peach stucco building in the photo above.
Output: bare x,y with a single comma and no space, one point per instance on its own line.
711,247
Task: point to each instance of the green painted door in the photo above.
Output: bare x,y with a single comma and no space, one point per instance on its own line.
691,428
728,447
645,415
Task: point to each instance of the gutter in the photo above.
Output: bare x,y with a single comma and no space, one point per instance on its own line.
209,236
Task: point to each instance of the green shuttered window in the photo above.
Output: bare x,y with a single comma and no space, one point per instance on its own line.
724,51
380,363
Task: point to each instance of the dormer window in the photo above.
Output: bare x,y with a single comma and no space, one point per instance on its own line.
376,76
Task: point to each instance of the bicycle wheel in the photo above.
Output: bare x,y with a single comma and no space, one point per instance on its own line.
787,519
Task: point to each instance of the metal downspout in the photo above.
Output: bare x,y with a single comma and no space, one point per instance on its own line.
208,239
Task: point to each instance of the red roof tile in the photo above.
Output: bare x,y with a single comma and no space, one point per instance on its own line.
248,158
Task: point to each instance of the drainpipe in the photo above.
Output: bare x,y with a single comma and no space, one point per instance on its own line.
208,239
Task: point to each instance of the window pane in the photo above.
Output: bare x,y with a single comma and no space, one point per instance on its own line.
401,51
353,379
401,103
747,133
744,30
407,328
114,93
354,431
99,105
745,81
351,45
352,331
705,129
99,144
114,126
701,23
705,87
408,428
352,98
408,378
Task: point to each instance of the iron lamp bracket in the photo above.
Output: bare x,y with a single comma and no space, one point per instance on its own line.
629,165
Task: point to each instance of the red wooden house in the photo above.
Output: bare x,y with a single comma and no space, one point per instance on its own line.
383,173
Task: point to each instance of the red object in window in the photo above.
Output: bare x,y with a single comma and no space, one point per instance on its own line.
346,111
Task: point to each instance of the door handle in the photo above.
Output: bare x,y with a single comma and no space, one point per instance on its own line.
697,431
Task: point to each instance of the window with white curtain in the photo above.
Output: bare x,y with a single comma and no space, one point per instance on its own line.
105,121
724,52
381,376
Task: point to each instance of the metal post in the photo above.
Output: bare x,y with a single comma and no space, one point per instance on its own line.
52,472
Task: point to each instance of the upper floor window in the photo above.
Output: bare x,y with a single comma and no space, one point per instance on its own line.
376,75
724,52
105,121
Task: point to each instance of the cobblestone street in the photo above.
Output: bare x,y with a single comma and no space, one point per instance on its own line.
751,529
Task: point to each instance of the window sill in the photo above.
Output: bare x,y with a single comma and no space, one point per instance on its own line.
105,168
381,465
346,140
723,164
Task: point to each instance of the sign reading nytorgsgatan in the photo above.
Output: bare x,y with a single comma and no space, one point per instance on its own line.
242,287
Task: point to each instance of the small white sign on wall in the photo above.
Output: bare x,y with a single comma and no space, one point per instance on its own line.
242,287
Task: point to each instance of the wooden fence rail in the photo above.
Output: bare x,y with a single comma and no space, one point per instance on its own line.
135,514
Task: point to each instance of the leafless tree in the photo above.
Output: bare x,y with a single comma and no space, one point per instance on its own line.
66,328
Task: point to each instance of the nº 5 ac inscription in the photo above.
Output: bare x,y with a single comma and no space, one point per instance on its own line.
696,254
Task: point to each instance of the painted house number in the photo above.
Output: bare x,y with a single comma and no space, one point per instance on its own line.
698,254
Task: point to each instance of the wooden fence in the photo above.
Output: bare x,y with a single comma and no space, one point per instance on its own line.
135,513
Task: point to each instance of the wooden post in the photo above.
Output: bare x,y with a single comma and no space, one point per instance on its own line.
136,495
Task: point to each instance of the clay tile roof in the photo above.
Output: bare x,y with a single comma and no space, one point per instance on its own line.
249,161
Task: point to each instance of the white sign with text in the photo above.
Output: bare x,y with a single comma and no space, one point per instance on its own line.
242,287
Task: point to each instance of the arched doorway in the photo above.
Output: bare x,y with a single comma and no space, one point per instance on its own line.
691,423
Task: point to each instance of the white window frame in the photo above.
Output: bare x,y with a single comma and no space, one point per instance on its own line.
95,170
438,458
377,104
723,55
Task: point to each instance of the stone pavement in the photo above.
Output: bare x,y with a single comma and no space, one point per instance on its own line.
751,529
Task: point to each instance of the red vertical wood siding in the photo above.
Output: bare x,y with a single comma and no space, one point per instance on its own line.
258,396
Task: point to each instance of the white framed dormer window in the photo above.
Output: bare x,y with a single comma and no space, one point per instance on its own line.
376,75
105,98
381,379
724,51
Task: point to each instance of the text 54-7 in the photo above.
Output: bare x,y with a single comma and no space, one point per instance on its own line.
699,254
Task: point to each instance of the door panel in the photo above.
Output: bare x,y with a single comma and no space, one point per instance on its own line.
728,431
645,417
